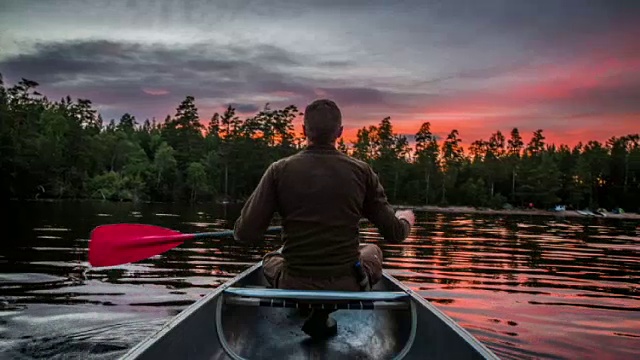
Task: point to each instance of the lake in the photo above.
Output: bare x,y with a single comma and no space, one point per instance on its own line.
526,286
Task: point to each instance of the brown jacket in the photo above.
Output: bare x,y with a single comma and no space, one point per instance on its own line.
321,195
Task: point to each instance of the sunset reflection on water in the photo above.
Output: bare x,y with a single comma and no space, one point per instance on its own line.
526,286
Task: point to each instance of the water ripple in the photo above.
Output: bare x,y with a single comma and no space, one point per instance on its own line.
528,287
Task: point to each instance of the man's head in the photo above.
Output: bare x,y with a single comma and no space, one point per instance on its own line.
322,122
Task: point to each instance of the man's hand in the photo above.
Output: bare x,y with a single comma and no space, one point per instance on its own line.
406,215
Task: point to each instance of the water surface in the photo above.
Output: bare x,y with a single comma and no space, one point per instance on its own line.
526,286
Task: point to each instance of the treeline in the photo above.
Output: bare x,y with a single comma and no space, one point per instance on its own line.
63,149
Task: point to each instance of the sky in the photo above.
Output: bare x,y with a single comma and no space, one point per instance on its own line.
571,67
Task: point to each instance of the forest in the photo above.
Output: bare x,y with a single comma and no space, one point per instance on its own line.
65,150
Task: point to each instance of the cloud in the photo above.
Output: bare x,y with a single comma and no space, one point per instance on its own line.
245,108
354,96
155,92
112,74
475,66
116,76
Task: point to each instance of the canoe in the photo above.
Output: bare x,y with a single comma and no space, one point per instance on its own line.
245,319
585,212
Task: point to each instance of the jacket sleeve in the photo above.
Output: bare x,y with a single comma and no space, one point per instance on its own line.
258,211
378,210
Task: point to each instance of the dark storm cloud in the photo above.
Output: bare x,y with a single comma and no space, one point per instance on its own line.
115,74
56,61
126,77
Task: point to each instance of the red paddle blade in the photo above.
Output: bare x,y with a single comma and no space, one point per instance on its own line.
125,243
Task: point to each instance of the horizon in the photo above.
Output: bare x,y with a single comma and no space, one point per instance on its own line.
475,67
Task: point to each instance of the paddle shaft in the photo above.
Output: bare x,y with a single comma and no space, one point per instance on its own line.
213,235
223,234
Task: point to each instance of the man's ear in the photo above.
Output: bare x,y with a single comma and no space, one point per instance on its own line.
304,131
340,132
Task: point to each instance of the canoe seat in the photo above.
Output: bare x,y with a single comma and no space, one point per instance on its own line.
317,299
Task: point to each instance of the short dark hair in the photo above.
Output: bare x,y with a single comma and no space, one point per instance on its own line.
322,120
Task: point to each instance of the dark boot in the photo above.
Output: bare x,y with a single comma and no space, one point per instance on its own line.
320,325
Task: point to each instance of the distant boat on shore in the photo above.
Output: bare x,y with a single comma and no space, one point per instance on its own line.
586,212
560,208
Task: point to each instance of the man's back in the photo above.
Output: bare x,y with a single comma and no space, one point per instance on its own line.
321,195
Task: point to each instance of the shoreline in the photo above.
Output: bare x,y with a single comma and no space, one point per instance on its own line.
537,212
427,208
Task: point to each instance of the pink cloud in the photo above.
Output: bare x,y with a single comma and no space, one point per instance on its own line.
155,92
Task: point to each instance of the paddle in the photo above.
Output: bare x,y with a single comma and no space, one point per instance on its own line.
116,244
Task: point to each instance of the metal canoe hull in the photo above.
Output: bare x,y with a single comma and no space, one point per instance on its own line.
274,333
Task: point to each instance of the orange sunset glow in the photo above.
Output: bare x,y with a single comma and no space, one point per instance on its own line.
592,95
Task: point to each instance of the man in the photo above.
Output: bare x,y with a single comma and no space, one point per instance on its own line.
321,195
